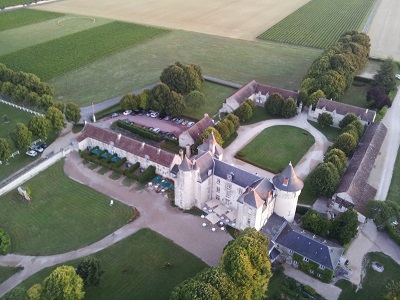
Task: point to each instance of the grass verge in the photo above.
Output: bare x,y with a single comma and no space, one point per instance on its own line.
259,114
137,272
331,133
394,190
276,146
307,196
22,17
6,272
52,222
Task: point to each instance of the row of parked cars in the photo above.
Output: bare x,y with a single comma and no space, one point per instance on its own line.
35,149
156,130
155,114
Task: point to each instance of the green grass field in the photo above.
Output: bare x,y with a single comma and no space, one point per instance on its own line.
235,60
6,272
307,196
62,216
276,146
215,94
320,23
22,17
44,31
7,3
356,95
259,114
134,268
56,57
331,133
374,283
394,190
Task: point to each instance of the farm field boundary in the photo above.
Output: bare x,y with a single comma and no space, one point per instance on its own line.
320,23
56,57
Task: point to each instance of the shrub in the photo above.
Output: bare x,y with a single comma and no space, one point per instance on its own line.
5,243
171,141
147,175
120,162
392,233
132,168
140,131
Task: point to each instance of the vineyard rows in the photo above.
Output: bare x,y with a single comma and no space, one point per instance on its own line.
56,57
22,17
320,23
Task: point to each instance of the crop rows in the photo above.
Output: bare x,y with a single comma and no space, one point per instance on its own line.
56,57
320,23
21,17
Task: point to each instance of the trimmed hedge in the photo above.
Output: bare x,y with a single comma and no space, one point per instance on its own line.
140,131
107,111
132,168
147,174
392,233
5,242
171,141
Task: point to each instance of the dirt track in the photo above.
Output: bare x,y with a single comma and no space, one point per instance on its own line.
385,30
230,18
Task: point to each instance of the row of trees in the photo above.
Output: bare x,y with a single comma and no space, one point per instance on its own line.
244,272
343,228
276,105
333,72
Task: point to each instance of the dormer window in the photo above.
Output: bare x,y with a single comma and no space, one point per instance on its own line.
209,172
286,181
229,177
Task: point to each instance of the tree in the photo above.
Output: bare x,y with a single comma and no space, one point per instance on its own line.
314,97
220,281
289,108
244,112
72,112
39,126
385,75
234,119
314,222
378,98
359,127
324,179
175,104
129,102
90,271
5,149
383,211
33,99
60,106
333,84
142,99
274,104
56,119
223,130
63,284
35,292
393,290
158,97
346,142
251,103
182,78
195,99
349,118
21,136
195,289
17,293
207,133
325,119
229,124
352,130
339,153
345,227
45,102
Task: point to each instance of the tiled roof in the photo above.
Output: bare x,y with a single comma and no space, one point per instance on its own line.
313,247
197,129
130,145
240,177
254,87
365,115
354,182
287,180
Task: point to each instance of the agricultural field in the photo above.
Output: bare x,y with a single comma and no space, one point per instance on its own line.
56,57
22,17
53,221
276,146
320,23
137,272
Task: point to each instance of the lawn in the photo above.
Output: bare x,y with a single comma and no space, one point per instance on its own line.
331,133
235,60
53,221
215,94
137,271
307,196
356,95
46,30
374,283
276,146
22,17
259,114
320,23
6,272
394,190
56,57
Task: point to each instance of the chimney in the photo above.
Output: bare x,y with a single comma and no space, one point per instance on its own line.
119,137
211,146
158,150
181,153
205,115
188,152
142,145
366,111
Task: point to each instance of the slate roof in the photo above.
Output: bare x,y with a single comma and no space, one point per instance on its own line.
239,177
365,115
197,129
354,187
253,199
294,183
130,145
254,87
205,162
313,247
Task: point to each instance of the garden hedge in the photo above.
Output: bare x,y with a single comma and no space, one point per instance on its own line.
5,242
132,168
147,174
146,133
392,233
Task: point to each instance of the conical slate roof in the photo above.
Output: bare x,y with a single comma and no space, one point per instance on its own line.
288,180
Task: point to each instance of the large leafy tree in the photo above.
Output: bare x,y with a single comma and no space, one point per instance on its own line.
289,108
229,124
182,78
207,133
274,104
324,179
325,119
244,112
60,106
5,149
63,284
174,104
235,120
378,98
383,211
40,126
346,142
35,292
56,119
314,222
159,96
385,75
21,136
195,99
347,119
90,271
345,227
314,97
223,130
72,112
195,289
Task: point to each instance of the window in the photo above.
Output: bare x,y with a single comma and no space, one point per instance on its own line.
321,267
228,194
228,186
249,211
218,189
218,180
291,251
229,177
239,191
285,181
319,275
295,263
248,221
217,197
305,259
209,172
311,271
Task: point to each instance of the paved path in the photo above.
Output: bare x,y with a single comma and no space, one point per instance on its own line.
247,133
156,214
223,82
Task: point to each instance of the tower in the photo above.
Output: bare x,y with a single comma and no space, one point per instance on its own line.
184,191
288,188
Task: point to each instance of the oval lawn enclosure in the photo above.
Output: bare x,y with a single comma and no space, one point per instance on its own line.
62,216
276,146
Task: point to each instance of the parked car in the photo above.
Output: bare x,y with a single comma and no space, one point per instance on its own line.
36,148
397,76
43,145
154,114
150,128
31,153
113,115
167,118
190,124
184,123
156,130
161,116
127,112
